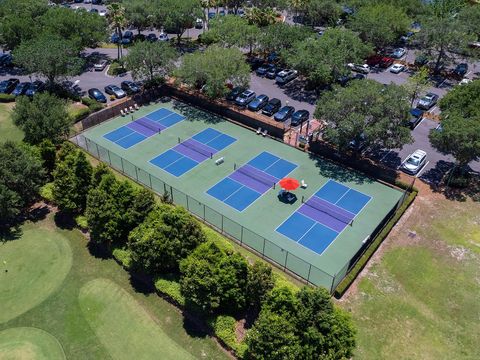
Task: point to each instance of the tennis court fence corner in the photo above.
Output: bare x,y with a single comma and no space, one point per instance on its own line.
243,236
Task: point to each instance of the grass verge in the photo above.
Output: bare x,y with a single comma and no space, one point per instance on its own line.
8,131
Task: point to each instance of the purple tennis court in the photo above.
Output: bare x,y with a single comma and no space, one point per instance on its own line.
318,222
140,129
249,182
193,151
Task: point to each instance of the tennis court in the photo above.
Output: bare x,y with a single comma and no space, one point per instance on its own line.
189,153
240,194
249,182
319,221
141,129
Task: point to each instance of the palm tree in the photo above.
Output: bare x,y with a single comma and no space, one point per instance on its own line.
117,20
261,17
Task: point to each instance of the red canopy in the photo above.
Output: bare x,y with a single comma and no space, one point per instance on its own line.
289,184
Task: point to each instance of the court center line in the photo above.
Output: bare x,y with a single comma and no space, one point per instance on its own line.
240,188
306,232
318,221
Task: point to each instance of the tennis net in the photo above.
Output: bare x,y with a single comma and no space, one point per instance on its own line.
197,148
263,179
318,205
148,124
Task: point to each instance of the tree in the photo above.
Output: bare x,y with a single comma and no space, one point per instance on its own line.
366,112
469,17
380,24
147,60
48,152
322,60
272,337
322,12
460,132
44,117
177,16
117,21
138,13
213,279
71,179
21,175
82,28
259,283
417,84
168,235
49,56
213,69
261,16
281,36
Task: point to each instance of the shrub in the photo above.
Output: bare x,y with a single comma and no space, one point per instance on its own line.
79,114
115,69
224,328
92,104
82,222
169,285
5,98
123,256
46,192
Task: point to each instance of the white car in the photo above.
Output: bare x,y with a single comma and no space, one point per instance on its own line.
397,68
162,36
415,162
465,81
102,12
361,68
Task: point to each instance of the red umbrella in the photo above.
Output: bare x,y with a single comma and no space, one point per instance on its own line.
289,184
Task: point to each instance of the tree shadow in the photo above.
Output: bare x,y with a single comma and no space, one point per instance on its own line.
296,90
193,327
99,251
64,220
141,283
10,233
435,175
449,187
194,114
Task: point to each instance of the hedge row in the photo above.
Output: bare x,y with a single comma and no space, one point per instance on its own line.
352,275
6,98
169,285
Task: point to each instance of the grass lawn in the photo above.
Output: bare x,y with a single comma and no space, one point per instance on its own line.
84,305
8,131
421,299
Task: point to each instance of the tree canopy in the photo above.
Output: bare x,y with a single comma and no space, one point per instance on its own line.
42,117
177,16
281,36
366,112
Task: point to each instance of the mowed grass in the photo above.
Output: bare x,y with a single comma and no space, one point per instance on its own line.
421,300
8,131
112,313
29,343
132,312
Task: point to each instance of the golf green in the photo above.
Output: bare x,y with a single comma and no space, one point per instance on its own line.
123,326
24,343
32,268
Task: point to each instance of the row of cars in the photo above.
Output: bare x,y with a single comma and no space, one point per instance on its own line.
125,88
14,87
270,107
129,37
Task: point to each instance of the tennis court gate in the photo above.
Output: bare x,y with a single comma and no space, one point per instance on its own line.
243,236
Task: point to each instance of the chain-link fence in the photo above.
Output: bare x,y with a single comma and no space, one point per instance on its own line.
233,230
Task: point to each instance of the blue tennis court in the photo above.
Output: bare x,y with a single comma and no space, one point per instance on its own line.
249,182
140,129
318,222
193,151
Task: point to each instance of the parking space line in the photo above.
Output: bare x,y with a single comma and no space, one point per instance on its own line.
421,170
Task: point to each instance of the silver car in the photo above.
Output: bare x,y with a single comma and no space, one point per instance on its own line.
415,162
115,91
245,98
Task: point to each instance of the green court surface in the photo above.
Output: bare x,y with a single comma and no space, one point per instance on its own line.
123,327
32,269
252,216
29,343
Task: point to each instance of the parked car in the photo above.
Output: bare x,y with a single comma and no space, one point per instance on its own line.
100,65
6,60
233,94
94,11
20,88
139,37
7,86
272,107
258,103
428,101
273,72
299,117
97,2
262,70
127,37
162,36
421,60
398,53
152,37
416,116
115,38
285,76
397,68
102,12
361,68
129,87
359,143
115,91
465,81
284,113
255,62
35,87
383,62
199,24
245,98
461,69
415,162
97,95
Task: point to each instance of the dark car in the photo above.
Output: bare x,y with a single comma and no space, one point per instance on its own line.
262,70
255,62
35,87
94,11
139,37
273,72
428,101
284,113
127,37
6,60
421,60
258,103
232,95
20,89
115,38
152,37
129,87
416,116
97,95
299,117
7,86
272,107
97,2
461,69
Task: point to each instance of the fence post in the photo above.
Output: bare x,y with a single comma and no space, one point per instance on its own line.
86,144
308,276
109,159
186,197
150,179
121,162
263,250
286,258
98,151
333,282
204,215
136,172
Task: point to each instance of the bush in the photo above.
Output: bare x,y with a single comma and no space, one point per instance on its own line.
115,69
5,98
46,192
82,222
169,285
93,105
224,328
352,275
122,256
79,114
